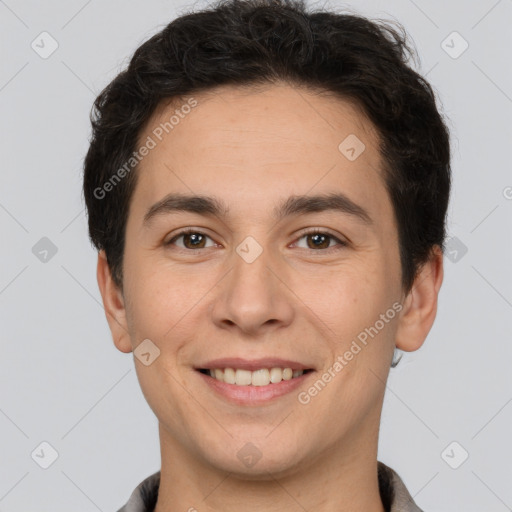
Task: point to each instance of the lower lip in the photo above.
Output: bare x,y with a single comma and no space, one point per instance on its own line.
254,395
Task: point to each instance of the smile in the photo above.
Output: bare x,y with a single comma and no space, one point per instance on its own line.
260,377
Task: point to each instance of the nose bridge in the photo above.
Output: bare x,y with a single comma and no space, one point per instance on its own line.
251,272
252,296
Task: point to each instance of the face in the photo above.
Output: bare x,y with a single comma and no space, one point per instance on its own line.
267,277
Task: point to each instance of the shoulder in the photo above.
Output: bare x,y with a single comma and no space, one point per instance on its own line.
144,497
394,494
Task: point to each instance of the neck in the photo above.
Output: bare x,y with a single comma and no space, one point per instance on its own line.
341,479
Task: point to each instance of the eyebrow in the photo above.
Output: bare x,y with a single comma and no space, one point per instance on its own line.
293,205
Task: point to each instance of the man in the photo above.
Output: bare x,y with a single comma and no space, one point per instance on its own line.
267,188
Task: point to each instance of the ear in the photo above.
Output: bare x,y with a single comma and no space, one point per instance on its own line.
420,305
114,305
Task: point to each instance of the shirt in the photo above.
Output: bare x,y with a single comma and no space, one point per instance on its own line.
393,493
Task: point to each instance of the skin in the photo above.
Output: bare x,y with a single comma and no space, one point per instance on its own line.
253,148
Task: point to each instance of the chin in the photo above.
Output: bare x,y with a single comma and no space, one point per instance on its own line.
253,458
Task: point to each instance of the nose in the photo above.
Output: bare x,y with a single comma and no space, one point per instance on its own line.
254,297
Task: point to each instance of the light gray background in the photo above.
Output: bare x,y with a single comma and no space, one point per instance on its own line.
63,381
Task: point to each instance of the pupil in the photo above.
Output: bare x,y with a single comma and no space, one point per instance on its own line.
194,238
320,238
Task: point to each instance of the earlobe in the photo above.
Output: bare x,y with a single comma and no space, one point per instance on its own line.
113,303
420,305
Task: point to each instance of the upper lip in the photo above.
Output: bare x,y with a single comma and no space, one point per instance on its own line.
253,364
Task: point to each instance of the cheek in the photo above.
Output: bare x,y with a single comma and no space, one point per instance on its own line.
165,392
349,295
152,306
347,308
165,301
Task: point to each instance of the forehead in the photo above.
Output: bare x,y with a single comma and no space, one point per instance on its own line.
272,116
250,145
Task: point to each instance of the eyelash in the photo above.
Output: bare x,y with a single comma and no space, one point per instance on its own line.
314,231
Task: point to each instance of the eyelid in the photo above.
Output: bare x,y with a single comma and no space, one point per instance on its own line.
186,231
342,241
322,231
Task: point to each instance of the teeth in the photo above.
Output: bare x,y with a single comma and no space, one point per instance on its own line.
261,377
228,374
258,378
242,377
276,375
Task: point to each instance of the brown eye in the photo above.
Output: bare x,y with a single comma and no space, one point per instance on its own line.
194,239
191,240
317,240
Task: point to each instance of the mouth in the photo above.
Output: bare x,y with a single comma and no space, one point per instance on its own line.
258,377
254,388
255,382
